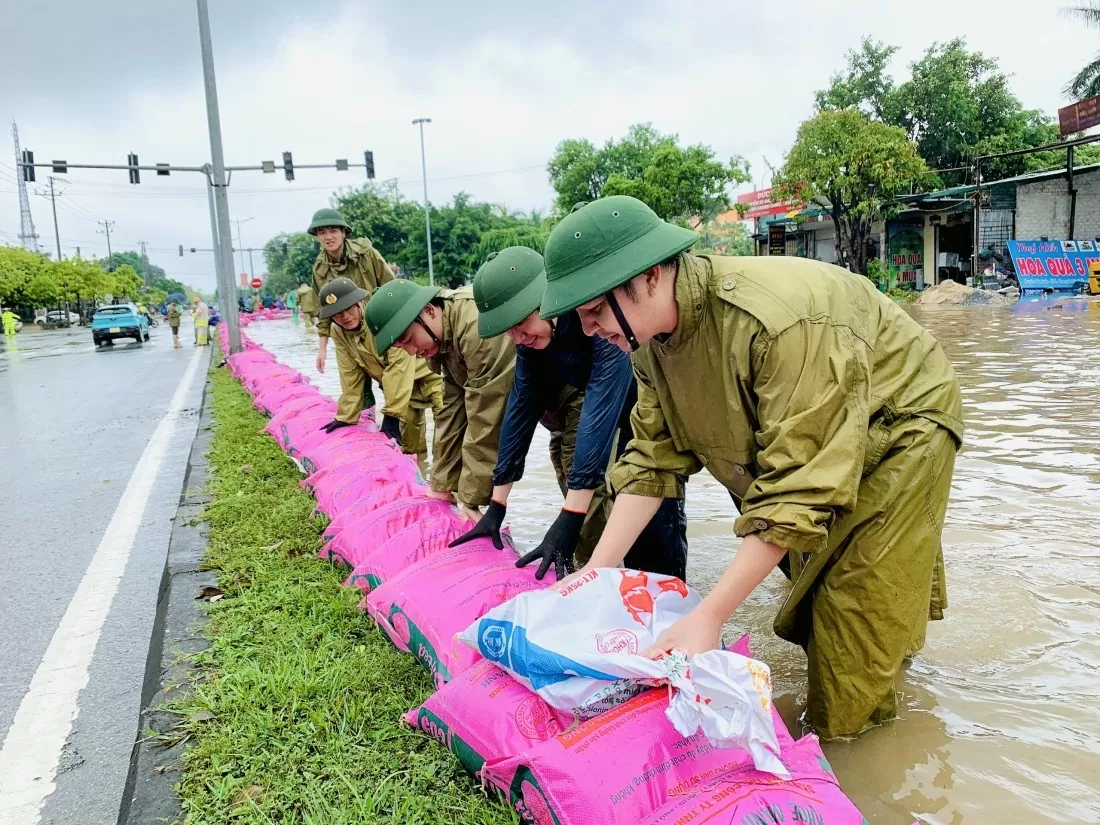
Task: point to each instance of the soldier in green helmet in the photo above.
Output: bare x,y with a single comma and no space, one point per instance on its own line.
310,304
408,384
582,389
342,257
441,325
829,414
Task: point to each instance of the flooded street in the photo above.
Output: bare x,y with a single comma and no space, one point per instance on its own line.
999,723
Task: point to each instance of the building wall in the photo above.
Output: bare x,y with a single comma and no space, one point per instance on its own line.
1042,208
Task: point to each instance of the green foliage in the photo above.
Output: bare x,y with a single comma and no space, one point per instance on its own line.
725,238
955,105
877,272
168,285
286,270
293,714
676,182
1086,83
140,266
32,281
494,240
856,168
125,283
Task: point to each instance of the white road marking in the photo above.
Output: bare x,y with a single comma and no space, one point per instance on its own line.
32,748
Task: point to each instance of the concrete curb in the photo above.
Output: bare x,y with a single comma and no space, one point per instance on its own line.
150,795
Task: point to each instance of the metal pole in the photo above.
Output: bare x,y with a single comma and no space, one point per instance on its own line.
227,289
251,271
56,233
215,247
427,216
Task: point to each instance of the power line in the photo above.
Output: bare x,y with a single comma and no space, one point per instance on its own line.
107,231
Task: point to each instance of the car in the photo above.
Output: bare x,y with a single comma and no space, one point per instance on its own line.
119,321
57,317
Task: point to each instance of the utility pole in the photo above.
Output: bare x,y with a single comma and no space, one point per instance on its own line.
145,264
227,289
53,195
420,121
106,231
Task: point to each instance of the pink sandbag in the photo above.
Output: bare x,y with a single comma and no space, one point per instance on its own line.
483,714
360,536
620,766
423,539
423,607
270,402
337,489
811,795
376,498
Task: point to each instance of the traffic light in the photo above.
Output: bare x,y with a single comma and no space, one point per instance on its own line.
28,171
288,165
181,250
369,158
135,173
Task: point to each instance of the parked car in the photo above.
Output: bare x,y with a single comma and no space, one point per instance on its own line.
57,317
119,321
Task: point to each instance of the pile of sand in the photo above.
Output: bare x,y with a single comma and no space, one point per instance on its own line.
952,293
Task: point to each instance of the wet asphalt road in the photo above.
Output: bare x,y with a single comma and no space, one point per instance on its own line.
73,423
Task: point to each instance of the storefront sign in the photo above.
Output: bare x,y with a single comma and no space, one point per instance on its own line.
1079,116
1052,264
905,253
760,204
777,239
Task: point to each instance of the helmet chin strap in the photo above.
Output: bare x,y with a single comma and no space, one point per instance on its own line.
617,311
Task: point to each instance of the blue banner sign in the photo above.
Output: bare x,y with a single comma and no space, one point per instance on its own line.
1062,265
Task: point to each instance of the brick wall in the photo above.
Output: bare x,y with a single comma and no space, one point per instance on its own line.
1042,208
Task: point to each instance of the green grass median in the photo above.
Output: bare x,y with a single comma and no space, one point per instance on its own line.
294,718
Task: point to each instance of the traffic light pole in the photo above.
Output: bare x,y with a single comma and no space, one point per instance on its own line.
227,289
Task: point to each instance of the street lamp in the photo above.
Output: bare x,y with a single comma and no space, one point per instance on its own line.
420,121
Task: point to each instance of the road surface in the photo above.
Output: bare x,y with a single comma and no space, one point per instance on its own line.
94,448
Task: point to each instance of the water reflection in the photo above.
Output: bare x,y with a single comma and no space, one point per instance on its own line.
997,718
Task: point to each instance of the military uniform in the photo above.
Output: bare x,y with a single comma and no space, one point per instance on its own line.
310,304
361,263
408,384
833,418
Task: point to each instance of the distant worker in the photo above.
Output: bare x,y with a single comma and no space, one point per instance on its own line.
341,257
202,321
310,304
828,413
408,383
174,316
292,303
9,319
441,325
582,389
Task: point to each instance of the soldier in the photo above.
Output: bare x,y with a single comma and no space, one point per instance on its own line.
583,390
408,385
829,414
311,306
174,316
341,257
441,325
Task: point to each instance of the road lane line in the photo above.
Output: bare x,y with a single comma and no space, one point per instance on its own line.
32,749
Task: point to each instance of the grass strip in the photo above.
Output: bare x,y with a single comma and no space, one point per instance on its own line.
294,713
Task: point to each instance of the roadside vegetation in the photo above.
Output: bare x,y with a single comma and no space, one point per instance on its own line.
294,717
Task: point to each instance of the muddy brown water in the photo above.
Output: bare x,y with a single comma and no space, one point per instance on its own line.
999,721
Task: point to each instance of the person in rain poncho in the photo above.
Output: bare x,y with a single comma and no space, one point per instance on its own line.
829,414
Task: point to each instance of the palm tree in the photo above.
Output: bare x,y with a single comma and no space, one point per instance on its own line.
1087,81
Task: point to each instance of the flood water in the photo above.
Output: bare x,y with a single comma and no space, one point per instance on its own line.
999,711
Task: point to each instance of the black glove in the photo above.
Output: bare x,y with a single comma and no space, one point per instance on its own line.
488,525
391,428
558,545
334,425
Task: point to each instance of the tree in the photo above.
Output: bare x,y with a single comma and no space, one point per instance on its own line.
289,260
18,267
167,285
725,238
676,182
855,168
125,282
145,270
525,234
1087,81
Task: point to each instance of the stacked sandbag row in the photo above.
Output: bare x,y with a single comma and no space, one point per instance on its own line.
626,765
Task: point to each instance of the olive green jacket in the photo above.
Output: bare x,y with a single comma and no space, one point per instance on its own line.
308,300
477,377
406,381
787,379
174,316
362,263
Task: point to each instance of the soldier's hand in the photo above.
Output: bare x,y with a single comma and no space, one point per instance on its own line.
488,525
391,428
335,425
322,354
557,546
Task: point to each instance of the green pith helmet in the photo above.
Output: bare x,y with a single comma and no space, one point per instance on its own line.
507,289
339,294
602,245
327,217
393,308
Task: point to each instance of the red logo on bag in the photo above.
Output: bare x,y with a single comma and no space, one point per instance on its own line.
673,585
636,597
535,721
617,641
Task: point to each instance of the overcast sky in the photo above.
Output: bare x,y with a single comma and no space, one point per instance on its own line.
502,82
